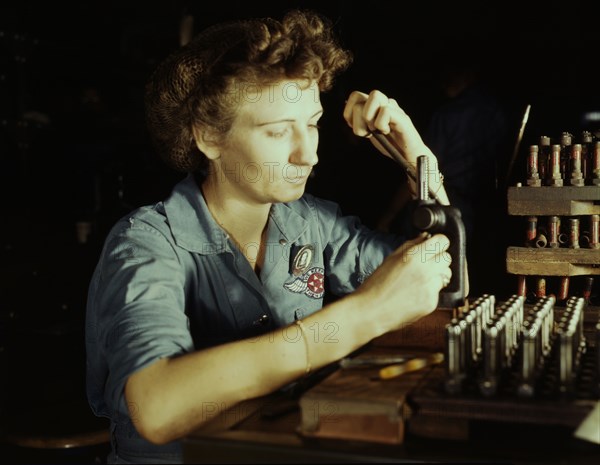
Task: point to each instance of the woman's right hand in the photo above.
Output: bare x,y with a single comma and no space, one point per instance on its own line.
406,286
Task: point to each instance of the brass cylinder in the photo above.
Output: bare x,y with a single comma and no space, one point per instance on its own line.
594,231
574,233
521,285
554,230
563,290
531,233
540,290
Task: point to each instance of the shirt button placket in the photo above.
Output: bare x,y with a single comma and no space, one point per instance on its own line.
263,320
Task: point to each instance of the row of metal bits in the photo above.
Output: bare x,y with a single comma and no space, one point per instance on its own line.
478,316
543,313
536,343
548,165
575,307
581,231
500,342
571,341
464,342
513,310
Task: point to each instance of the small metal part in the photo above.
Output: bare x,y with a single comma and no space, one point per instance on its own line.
576,173
454,375
491,366
595,231
587,148
563,289
584,239
471,339
555,174
423,176
566,368
531,232
571,342
528,363
399,157
533,176
541,241
588,283
574,233
566,139
544,157
522,285
463,344
541,287
554,230
596,164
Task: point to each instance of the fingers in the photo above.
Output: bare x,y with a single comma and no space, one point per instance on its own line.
353,114
431,252
414,274
356,98
445,259
366,114
446,277
376,112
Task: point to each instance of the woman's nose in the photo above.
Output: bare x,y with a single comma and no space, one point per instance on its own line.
305,149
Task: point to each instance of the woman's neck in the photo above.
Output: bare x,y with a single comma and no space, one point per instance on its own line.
245,222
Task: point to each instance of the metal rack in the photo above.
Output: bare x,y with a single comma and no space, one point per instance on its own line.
561,203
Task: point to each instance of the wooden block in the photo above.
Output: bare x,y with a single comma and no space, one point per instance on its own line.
427,333
362,426
547,200
354,404
552,262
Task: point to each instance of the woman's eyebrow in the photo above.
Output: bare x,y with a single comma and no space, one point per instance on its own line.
287,120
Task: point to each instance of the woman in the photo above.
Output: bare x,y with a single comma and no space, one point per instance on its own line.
215,295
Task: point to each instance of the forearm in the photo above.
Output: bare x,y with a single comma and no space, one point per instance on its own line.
175,396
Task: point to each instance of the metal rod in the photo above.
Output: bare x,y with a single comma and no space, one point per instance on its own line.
423,170
518,143
399,157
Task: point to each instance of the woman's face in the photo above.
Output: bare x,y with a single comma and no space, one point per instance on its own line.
272,145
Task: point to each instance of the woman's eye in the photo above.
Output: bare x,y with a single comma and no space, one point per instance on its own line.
314,126
278,134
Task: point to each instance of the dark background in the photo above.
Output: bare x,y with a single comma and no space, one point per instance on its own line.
73,145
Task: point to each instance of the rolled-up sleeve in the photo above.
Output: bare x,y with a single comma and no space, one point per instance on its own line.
137,304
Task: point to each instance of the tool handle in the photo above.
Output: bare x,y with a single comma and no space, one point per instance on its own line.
447,220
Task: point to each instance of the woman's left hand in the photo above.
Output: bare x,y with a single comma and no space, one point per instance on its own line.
367,113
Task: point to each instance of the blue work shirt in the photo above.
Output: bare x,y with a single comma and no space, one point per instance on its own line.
170,281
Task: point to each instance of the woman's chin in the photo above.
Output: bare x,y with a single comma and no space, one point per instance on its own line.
292,193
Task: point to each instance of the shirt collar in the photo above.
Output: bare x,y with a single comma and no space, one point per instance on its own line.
194,228
289,220
192,225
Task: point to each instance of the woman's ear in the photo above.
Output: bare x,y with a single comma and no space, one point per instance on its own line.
205,140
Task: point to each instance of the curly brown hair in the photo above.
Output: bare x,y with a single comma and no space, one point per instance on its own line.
197,83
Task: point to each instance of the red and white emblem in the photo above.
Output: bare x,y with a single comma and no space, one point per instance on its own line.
311,283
